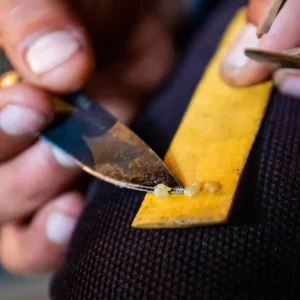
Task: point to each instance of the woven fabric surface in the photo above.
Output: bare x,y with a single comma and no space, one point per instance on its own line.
255,256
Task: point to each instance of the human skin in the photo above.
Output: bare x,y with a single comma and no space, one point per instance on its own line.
239,71
120,54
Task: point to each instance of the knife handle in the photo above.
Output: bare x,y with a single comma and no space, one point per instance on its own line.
5,65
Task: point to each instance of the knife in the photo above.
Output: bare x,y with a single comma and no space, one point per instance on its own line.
289,60
100,144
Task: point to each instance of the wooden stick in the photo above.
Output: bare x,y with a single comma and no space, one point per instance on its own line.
211,145
267,22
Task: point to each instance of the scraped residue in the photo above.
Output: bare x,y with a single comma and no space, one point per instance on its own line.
211,187
193,189
162,191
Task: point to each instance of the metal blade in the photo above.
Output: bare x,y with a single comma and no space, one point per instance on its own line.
279,60
106,148
103,147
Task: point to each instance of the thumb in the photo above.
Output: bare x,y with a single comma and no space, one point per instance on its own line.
46,43
237,69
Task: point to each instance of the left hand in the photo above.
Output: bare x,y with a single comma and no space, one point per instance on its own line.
40,201
238,70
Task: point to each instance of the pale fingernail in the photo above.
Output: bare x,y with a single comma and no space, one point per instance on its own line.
63,158
59,228
236,57
18,120
288,82
50,50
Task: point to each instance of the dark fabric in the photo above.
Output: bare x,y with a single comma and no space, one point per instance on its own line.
254,256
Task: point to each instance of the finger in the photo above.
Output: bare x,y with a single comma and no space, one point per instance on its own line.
46,43
235,63
24,111
288,81
39,246
238,70
39,173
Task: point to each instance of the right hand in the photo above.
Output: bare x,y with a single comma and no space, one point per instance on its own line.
240,71
48,44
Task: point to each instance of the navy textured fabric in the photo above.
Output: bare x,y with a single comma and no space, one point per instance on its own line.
255,256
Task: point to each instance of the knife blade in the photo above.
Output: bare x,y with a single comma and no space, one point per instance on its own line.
100,144
278,60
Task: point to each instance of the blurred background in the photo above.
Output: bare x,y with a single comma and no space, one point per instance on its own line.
20,288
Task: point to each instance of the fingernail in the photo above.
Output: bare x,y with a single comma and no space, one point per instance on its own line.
50,50
17,120
288,81
236,57
62,158
59,228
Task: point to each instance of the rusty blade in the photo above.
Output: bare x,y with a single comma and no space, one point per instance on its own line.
106,148
101,145
278,60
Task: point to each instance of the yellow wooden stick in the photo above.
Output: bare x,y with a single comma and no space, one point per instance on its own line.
212,143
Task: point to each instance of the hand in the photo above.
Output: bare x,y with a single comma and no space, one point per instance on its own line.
57,46
284,34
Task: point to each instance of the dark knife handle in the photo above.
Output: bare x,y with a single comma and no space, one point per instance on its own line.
5,65
76,118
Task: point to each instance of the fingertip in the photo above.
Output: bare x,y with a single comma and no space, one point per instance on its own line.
26,95
235,67
239,70
70,76
62,158
280,76
70,203
250,75
24,111
62,219
288,81
36,249
231,77
47,44
59,61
